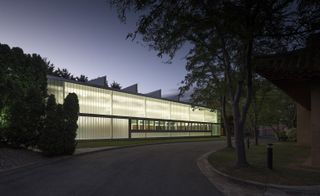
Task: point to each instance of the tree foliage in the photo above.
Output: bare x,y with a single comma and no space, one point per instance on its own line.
24,88
205,77
50,140
60,126
71,112
115,85
64,73
270,108
229,33
277,109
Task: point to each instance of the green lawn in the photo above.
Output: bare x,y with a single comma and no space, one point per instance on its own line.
288,161
130,142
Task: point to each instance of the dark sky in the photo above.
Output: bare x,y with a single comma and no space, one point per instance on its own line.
86,37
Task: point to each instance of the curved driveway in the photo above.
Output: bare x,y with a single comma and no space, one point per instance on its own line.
165,169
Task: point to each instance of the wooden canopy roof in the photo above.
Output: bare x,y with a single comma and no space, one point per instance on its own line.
294,72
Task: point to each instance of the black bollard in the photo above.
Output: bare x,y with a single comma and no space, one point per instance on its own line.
248,143
269,156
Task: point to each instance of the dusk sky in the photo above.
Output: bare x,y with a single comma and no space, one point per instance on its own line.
86,37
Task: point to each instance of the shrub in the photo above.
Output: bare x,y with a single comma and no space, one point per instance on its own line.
50,137
3,123
71,112
60,126
292,134
281,136
25,116
23,87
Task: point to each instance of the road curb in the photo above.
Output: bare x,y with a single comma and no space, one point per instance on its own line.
207,170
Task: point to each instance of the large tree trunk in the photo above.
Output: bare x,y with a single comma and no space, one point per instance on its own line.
225,122
241,159
239,117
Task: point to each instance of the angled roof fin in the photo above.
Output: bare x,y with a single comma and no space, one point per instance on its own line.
155,94
131,89
100,81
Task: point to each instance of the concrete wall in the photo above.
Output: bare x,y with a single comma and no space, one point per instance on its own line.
308,126
315,126
303,126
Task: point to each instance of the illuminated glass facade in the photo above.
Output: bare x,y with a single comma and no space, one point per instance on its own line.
112,114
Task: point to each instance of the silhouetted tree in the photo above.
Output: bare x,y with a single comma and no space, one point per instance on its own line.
51,137
71,112
208,84
231,31
22,101
64,73
60,126
115,85
82,78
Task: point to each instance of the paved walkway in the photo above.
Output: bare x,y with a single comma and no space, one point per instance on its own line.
13,158
16,158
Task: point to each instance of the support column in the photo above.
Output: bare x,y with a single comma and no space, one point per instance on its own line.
303,126
315,126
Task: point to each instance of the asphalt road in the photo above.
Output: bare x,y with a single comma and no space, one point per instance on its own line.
166,169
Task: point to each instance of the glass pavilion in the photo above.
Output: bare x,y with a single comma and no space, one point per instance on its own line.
107,113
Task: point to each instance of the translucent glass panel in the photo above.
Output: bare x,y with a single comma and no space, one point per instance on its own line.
120,128
216,129
128,105
196,114
180,134
156,108
158,134
210,116
91,100
138,135
103,101
94,128
163,134
55,87
194,134
179,111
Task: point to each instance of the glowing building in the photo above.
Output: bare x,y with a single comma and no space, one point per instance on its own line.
107,113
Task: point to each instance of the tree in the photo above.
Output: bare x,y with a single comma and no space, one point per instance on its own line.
237,30
261,89
50,137
60,126
22,101
82,78
210,85
115,85
4,88
71,113
271,108
278,109
25,120
64,73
